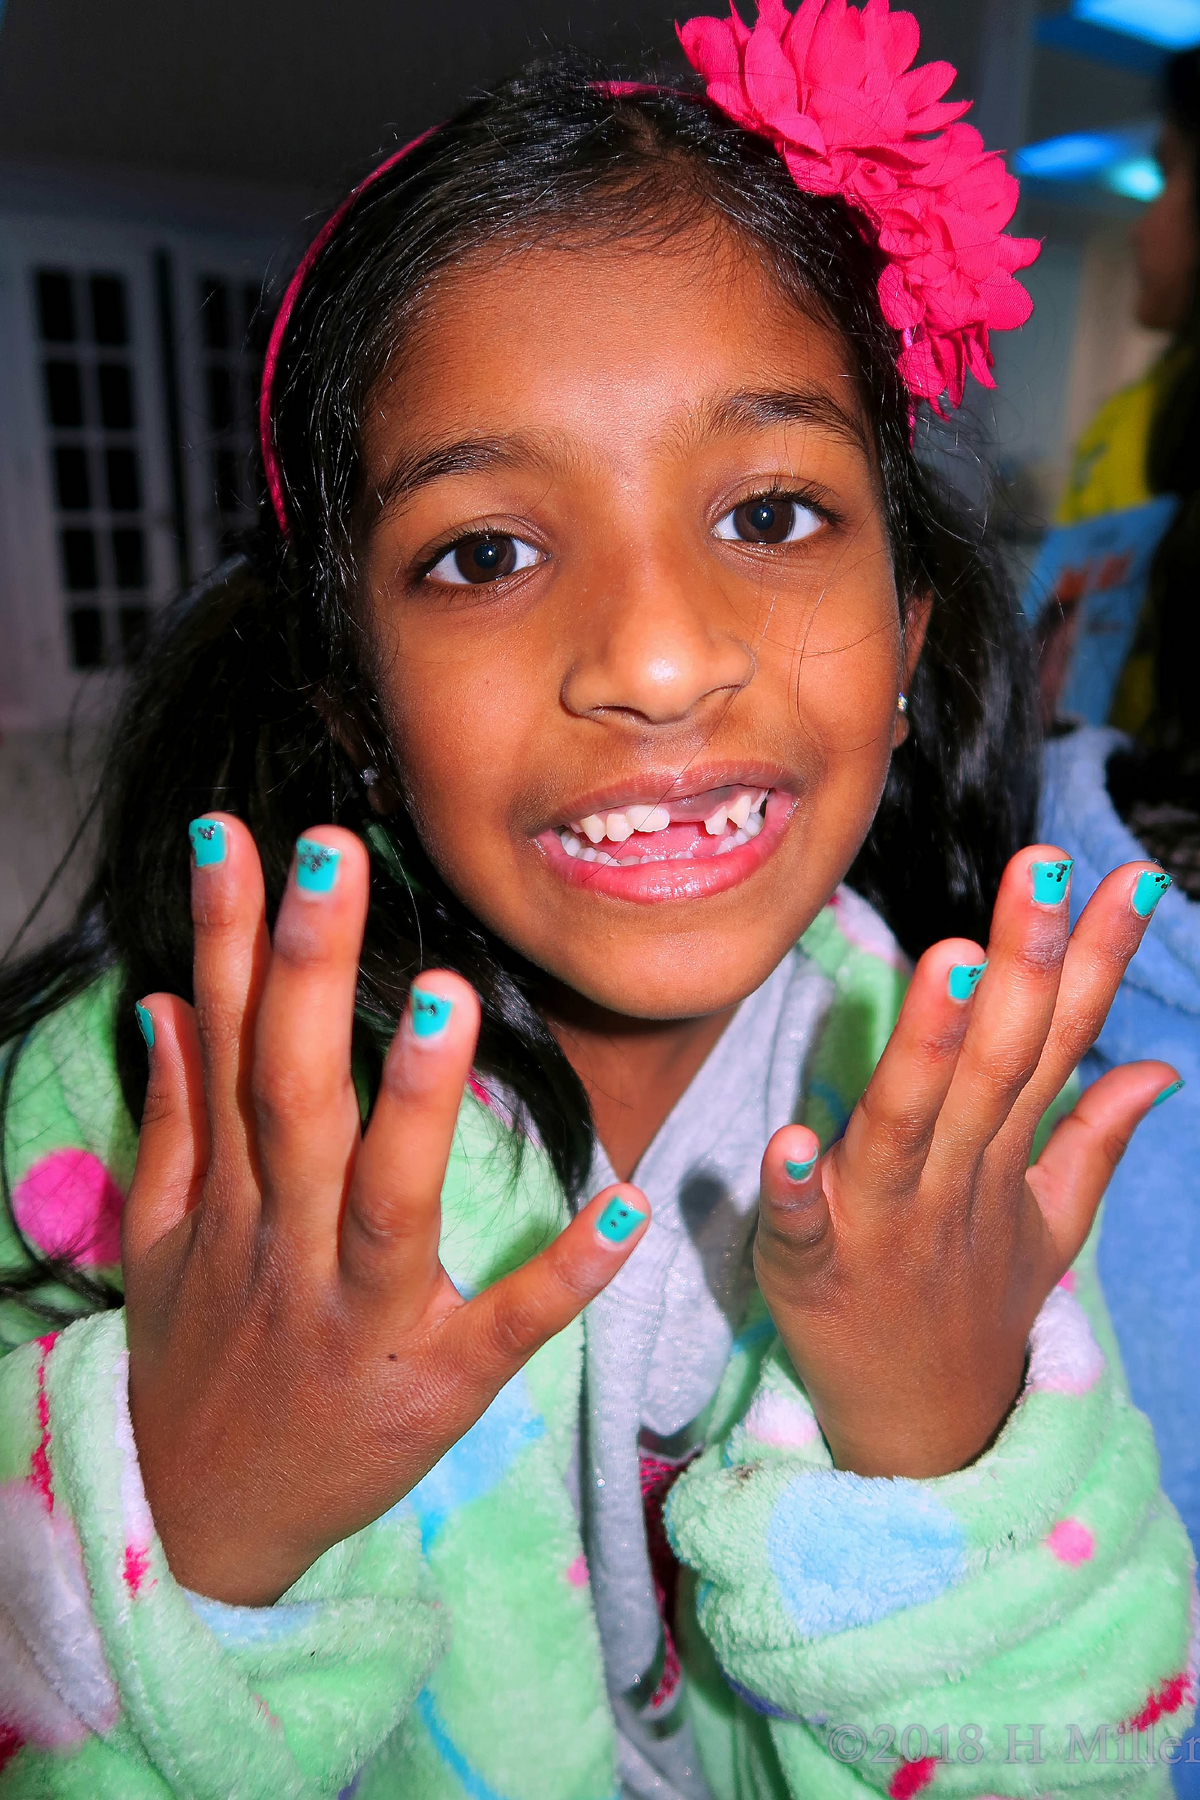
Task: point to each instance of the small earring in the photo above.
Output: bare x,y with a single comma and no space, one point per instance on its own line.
901,703
369,776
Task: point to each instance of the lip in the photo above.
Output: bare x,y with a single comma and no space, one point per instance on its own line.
651,884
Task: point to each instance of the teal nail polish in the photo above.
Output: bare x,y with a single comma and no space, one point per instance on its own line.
146,1025
964,979
1148,890
802,1170
619,1220
1167,1092
209,841
1051,880
430,1013
316,866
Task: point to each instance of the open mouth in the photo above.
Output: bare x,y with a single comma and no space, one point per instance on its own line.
698,828
683,847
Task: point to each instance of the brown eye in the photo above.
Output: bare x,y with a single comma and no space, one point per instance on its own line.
477,560
770,519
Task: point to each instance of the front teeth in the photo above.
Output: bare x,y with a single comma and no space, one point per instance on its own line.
646,818
744,814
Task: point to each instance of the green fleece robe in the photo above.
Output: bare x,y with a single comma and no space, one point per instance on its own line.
1021,1627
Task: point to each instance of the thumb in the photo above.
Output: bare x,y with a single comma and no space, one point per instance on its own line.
793,1214
1070,1176
501,1328
172,1153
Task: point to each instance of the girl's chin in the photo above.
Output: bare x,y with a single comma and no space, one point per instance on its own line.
645,880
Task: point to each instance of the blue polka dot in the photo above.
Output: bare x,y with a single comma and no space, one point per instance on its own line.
479,1461
847,1551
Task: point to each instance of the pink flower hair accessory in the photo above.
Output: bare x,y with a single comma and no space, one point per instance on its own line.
833,88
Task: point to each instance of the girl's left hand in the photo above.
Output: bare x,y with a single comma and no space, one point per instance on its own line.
905,1271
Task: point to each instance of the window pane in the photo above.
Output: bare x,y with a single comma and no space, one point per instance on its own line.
121,472
87,637
64,394
133,622
116,396
129,558
56,306
220,399
110,324
214,312
79,561
71,482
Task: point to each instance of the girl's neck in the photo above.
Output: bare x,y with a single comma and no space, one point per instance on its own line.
634,1070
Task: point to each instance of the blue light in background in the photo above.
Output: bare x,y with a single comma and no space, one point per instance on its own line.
1080,156
1138,178
1120,160
1172,24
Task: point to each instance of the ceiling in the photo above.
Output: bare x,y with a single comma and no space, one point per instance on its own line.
300,92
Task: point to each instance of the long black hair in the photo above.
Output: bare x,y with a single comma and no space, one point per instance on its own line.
255,694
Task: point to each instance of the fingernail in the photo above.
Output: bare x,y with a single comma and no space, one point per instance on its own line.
800,1171
1051,881
1148,890
316,866
146,1025
964,979
619,1220
209,841
1166,1093
430,1013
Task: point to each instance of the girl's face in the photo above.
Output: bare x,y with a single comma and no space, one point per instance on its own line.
632,615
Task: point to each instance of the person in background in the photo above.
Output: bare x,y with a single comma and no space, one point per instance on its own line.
1145,441
1110,793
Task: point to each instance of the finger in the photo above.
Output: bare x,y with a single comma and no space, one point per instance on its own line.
1015,1005
231,951
1069,1178
498,1331
793,1212
391,1226
1103,943
172,1152
888,1137
305,1103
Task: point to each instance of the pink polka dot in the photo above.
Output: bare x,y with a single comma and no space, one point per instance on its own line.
1064,1357
69,1205
911,1777
136,1568
1071,1542
1068,1281
780,1420
577,1572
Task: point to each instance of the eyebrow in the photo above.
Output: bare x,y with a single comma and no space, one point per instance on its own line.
473,456
468,456
784,406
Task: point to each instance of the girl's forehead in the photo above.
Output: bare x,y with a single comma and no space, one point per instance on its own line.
653,337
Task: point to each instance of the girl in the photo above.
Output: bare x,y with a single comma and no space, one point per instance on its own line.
604,606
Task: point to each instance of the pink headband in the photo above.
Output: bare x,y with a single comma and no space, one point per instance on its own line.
266,422
833,89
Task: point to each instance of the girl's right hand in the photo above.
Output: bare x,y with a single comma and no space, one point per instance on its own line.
298,1357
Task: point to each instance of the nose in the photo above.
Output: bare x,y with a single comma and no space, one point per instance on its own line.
656,648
